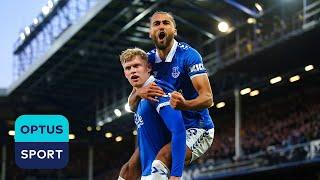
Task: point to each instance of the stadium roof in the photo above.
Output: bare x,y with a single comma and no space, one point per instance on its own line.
82,64
83,61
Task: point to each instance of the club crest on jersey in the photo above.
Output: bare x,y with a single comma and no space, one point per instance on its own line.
175,72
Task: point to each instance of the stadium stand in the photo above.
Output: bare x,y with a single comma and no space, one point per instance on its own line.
275,131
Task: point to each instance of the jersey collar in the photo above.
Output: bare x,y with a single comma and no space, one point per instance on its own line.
149,80
170,55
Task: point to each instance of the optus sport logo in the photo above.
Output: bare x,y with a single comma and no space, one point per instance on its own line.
41,141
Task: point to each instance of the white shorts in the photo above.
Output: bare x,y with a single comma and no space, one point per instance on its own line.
146,177
199,141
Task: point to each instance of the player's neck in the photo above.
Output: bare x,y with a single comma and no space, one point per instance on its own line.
148,81
163,53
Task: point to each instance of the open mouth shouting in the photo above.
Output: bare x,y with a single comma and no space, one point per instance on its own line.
161,36
135,78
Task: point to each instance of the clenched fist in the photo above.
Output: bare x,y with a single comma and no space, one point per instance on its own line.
177,101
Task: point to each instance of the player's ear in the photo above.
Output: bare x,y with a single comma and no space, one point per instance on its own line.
175,32
149,68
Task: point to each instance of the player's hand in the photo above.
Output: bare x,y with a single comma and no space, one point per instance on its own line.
150,92
177,101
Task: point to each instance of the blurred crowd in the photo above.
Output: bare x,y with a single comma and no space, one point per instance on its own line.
279,123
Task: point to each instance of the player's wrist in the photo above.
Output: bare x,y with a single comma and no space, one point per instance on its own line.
185,106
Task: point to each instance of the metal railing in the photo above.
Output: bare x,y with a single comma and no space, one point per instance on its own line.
272,27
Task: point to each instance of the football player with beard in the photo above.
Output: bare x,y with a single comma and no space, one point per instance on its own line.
181,66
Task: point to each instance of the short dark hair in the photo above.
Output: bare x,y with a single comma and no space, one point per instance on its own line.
167,13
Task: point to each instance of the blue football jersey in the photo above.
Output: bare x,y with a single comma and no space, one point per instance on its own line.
157,125
181,65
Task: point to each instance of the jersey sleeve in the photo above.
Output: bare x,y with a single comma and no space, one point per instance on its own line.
194,64
162,102
174,122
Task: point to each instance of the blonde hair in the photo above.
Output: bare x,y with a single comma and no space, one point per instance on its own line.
167,13
128,54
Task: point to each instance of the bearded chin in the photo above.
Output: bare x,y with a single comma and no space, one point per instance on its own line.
160,46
